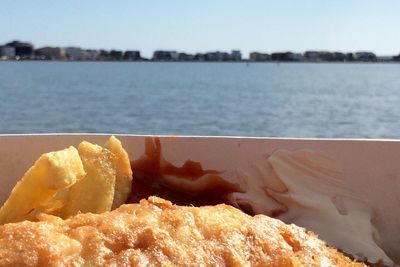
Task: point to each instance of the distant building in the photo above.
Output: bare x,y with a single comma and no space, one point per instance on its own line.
338,56
312,56
199,57
92,54
278,57
396,58
132,55
224,56
50,53
236,55
174,55
349,57
22,50
297,57
285,56
331,56
104,55
384,58
185,57
165,55
325,56
75,53
211,56
116,55
219,56
316,56
7,52
365,56
259,57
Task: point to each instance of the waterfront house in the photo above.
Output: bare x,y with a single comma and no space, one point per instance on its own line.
259,57
7,52
132,55
50,53
22,50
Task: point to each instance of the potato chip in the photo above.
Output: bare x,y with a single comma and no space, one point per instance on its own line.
94,193
123,182
64,183
51,173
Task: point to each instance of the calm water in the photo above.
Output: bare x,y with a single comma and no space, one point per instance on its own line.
289,100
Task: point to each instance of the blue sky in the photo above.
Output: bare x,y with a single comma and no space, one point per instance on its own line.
205,25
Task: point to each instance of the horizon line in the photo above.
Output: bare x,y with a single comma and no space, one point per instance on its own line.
206,51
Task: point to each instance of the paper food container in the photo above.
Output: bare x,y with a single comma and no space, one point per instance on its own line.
346,191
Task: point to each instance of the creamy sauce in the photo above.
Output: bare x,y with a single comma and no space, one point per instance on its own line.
301,187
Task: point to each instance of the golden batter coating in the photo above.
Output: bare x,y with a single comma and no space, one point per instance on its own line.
158,233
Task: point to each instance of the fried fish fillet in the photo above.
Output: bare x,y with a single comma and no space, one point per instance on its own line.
158,233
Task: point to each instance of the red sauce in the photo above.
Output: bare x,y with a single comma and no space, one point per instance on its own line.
189,184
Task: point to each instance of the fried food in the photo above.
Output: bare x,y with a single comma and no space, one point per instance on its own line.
66,182
123,179
51,173
94,193
158,233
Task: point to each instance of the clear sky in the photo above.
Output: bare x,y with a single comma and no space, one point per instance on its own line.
206,25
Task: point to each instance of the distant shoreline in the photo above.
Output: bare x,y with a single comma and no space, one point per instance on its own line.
225,62
16,50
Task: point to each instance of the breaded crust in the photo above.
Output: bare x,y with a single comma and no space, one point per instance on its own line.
158,233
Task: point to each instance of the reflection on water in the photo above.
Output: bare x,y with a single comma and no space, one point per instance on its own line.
301,100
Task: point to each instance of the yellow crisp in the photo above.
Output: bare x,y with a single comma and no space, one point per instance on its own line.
124,172
94,193
64,183
52,172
